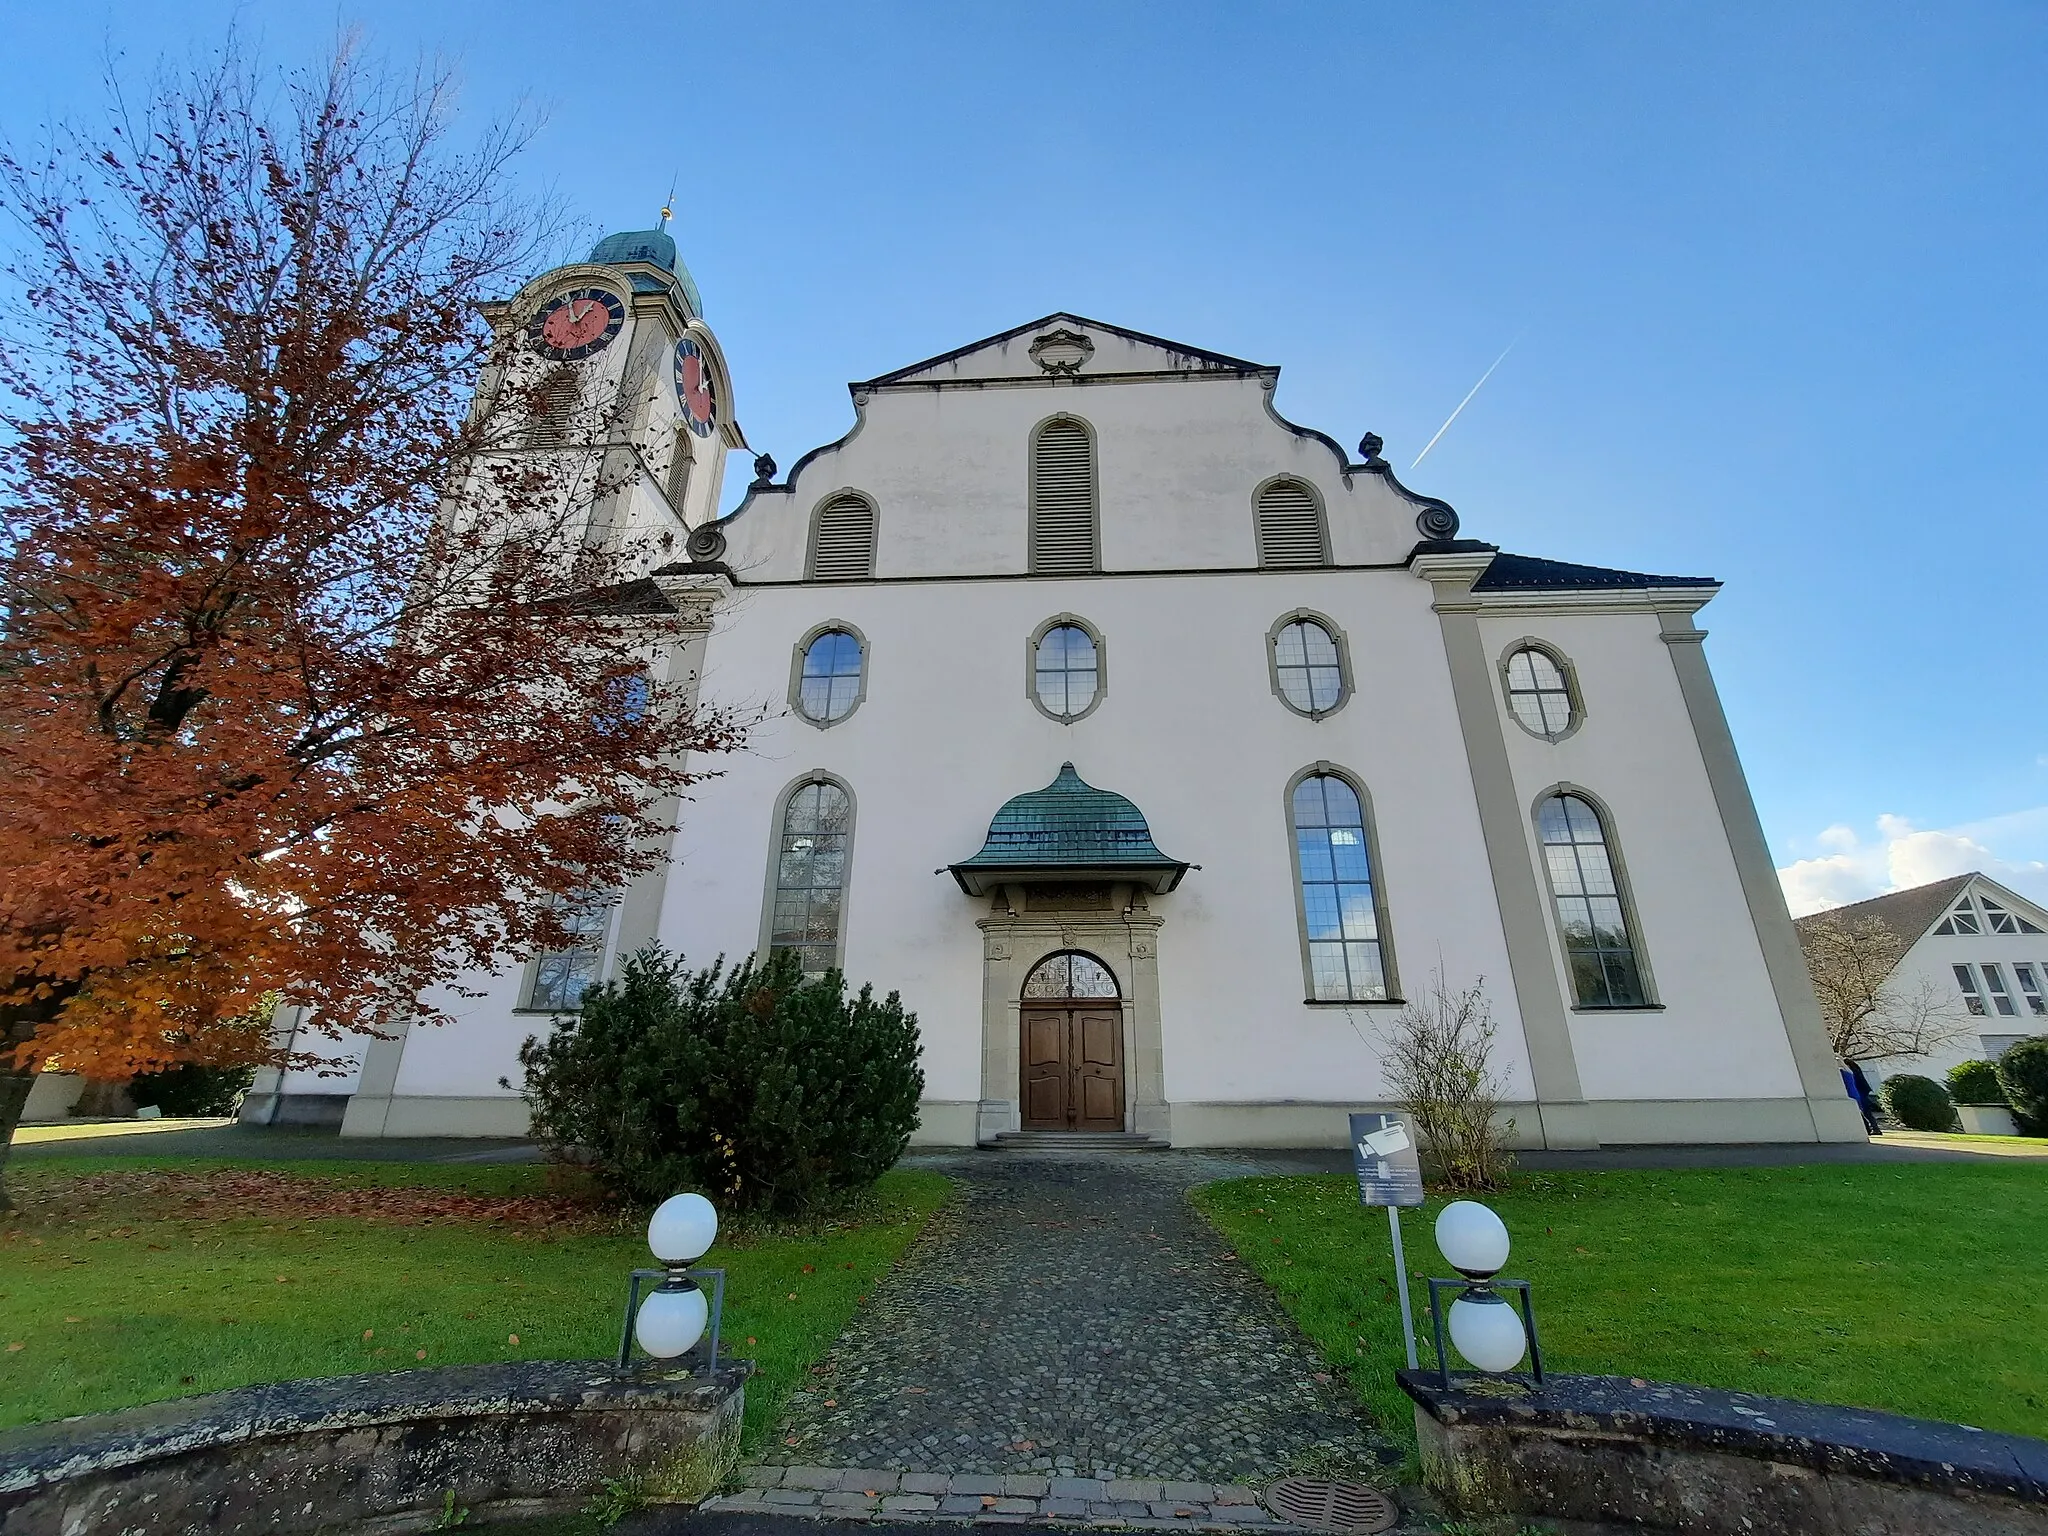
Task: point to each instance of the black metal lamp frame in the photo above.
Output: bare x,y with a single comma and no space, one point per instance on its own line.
675,1278
1470,1287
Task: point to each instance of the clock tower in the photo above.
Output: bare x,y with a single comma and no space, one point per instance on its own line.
606,375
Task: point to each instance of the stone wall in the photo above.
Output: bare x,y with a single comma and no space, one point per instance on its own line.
305,1456
1674,1458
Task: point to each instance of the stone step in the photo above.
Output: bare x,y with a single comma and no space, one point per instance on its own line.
1075,1141
851,1493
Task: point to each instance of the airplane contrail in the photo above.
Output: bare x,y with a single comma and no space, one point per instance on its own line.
1440,431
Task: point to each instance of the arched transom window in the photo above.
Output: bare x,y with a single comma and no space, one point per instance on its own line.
1062,498
1070,974
1308,667
1340,909
1066,671
810,875
1592,913
829,682
1539,693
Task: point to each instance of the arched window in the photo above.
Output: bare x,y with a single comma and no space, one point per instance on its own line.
1070,974
1340,913
1592,910
1309,670
1066,669
562,976
843,540
831,675
810,874
1290,526
1540,694
1063,531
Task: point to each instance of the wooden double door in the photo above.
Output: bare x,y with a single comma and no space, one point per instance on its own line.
1073,1066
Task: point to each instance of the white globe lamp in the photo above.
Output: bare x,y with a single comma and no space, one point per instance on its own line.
1487,1331
683,1229
1473,1240
672,1321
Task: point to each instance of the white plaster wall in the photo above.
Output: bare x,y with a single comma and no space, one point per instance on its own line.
1189,729
480,1043
1178,461
1719,1032
1930,961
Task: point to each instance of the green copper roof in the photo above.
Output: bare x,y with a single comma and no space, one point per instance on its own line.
655,247
1068,830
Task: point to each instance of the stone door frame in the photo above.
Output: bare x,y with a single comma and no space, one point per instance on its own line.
1028,923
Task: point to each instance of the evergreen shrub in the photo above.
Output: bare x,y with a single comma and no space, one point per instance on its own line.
1974,1082
761,1089
1918,1103
2023,1074
190,1089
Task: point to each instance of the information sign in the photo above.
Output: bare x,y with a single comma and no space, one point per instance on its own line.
1383,1157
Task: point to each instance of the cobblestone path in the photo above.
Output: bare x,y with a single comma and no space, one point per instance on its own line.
1073,1316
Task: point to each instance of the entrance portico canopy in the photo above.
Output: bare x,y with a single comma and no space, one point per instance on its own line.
1068,831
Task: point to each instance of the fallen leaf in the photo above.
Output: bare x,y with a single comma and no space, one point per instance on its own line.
17,1344
792,1295
369,1333
419,1354
831,1402
810,1269
753,1341
74,1319
284,1279
988,1501
512,1339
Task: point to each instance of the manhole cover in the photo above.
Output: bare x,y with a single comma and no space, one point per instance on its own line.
1324,1504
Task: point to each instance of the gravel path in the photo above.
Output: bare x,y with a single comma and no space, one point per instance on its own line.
1073,1316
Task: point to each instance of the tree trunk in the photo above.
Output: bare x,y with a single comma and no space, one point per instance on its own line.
19,1024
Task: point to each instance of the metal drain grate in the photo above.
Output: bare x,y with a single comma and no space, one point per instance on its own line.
1324,1504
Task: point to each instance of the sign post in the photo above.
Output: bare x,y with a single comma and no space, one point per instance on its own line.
1390,1174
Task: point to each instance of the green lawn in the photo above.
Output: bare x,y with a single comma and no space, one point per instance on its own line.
1913,1288
127,1280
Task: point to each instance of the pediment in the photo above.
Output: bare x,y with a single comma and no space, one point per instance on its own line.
1066,346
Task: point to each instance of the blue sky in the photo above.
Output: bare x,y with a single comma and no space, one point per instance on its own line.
1776,273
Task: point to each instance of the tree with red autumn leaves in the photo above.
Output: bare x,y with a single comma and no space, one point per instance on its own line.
308,690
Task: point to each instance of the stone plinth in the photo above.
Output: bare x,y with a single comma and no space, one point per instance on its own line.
309,1455
1676,1458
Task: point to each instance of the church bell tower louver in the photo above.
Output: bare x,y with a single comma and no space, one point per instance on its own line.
607,368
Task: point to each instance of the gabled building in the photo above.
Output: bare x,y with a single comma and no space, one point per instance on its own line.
1159,751
1977,949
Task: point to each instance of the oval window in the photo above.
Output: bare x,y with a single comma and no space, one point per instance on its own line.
1067,671
830,683
1538,693
1310,672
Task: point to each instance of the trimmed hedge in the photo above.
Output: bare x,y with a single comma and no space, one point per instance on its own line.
758,1087
1918,1103
2023,1074
1974,1082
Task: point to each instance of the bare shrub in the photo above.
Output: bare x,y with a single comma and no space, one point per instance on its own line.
1439,1063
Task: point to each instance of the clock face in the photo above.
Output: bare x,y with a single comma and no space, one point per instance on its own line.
694,390
578,323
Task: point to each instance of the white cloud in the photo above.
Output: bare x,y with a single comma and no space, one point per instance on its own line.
1847,866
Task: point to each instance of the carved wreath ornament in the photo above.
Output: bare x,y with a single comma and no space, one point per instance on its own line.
1062,352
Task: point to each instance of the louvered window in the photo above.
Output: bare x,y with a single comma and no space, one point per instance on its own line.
679,466
554,408
1291,526
843,542
1062,499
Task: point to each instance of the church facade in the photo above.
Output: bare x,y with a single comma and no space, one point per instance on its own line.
1159,752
